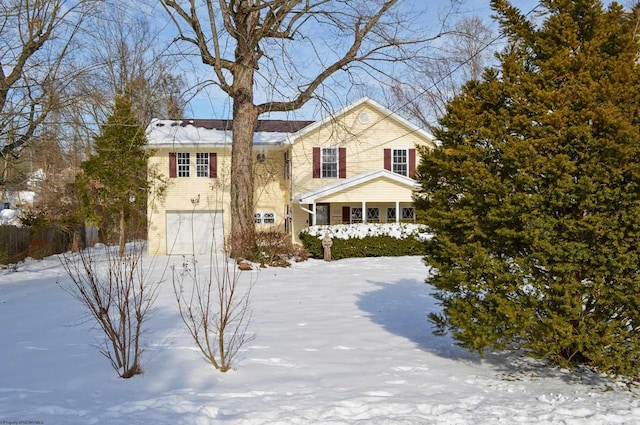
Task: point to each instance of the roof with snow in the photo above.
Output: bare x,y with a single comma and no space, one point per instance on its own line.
210,132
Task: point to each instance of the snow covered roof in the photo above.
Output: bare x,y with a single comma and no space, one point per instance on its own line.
208,132
330,189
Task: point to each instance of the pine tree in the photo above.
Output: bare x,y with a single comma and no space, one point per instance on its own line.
534,193
114,185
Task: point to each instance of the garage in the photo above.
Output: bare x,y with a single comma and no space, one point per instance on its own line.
194,232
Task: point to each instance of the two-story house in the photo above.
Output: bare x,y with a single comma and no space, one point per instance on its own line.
353,166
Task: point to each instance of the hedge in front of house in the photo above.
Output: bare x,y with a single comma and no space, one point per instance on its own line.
369,246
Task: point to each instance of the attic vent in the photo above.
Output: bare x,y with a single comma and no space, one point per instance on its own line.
364,117
261,157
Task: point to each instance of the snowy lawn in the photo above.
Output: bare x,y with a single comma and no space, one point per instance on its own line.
345,342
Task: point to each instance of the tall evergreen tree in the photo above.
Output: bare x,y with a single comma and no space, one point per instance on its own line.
534,193
114,184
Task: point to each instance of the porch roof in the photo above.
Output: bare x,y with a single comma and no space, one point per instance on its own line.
312,196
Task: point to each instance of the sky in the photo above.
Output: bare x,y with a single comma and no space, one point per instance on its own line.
211,103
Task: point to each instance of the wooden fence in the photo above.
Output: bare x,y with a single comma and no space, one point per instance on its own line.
18,243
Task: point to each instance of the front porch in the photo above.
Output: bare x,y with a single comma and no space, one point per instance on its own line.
376,197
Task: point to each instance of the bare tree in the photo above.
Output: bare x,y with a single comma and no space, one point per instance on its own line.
214,308
118,296
462,55
273,55
36,39
122,49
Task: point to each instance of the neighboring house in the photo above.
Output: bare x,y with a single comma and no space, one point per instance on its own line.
353,166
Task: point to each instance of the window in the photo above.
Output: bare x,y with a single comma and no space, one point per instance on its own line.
373,215
391,214
268,217
400,163
202,164
356,215
329,162
183,164
408,213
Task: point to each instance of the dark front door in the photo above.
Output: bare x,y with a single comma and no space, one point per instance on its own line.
322,214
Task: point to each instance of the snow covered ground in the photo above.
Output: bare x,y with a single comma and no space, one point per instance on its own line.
345,342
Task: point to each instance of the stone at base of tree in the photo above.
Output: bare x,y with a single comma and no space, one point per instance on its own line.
243,265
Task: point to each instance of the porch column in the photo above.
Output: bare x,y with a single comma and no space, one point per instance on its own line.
397,211
314,215
364,211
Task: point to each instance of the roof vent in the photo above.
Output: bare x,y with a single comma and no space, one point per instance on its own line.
364,117
160,124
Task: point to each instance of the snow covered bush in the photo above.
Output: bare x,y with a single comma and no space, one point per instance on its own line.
366,240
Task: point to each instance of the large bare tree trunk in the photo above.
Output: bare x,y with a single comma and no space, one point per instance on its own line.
242,241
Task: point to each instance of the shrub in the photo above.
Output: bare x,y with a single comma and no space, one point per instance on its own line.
371,240
275,249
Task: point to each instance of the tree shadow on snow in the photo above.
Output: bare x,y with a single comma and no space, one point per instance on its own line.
402,308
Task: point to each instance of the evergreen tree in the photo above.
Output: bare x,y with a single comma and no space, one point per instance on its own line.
114,184
534,193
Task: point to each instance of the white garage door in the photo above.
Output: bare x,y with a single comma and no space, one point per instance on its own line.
194,232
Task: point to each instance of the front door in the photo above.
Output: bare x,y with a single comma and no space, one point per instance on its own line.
322,214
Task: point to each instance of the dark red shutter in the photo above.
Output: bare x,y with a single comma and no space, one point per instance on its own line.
346,215
387,159
412,162
342,163
213,165
172,165
316,163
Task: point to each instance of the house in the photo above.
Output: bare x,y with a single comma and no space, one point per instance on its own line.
352,166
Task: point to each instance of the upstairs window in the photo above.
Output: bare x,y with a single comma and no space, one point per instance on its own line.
206,164
184,163
329,162
399,162
202,164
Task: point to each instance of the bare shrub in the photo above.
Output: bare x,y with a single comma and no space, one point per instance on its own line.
275,249
118,296
214,309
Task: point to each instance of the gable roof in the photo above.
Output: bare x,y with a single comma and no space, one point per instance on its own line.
385,112
311,196
217,132
212,132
